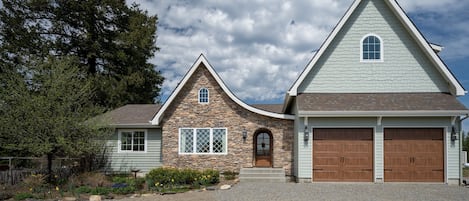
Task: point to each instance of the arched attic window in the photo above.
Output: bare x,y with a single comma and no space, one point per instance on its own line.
371,48
203,95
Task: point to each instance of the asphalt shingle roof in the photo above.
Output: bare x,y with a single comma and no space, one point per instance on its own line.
132,114
377,102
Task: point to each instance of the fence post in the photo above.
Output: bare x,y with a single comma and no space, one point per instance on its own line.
10,171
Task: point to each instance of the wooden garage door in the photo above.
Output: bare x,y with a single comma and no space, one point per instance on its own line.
343,154
413,155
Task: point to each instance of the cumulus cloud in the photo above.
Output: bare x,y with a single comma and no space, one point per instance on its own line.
260,47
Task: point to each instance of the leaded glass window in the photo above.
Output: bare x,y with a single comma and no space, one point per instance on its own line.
202,140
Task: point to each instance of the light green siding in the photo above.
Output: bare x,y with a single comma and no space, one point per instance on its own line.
405,67
124,161
305,149
305,158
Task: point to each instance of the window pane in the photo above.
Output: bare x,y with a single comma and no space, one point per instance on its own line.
187,141
371,48
203,95
126,141
203,140
219,142
139,141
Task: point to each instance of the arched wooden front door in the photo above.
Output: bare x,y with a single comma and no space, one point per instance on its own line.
263,148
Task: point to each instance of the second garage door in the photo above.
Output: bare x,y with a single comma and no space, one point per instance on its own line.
343,154
413,155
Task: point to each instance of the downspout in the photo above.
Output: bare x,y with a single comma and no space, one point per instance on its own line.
460,149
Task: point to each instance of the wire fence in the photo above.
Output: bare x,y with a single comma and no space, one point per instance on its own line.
14,169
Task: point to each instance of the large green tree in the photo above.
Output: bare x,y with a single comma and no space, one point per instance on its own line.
44,111
112,40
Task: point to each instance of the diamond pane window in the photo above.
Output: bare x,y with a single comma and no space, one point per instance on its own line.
219,140
202,140
371,48
186,141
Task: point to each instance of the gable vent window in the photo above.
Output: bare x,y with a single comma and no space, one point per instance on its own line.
203,95
371,48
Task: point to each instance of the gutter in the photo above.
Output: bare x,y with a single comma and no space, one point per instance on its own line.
461,178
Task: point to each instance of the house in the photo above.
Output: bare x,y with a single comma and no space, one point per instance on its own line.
375,104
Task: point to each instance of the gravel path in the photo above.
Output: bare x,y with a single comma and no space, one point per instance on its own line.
321,191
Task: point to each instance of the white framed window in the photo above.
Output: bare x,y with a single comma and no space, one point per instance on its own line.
132,141
203,95
371,48
203,140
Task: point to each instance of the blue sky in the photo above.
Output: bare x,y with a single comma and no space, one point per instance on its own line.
260,47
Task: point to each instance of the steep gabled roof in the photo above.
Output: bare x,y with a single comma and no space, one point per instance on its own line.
202,60
427,48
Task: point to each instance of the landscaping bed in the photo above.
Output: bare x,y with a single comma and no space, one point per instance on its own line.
116,186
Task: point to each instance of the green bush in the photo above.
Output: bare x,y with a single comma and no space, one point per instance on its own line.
124,190
23,196
100,191
169,178
229,175
83,189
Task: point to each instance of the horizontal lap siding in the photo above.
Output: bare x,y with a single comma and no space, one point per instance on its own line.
143,161
405,68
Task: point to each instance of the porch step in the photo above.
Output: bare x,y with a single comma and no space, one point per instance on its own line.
271,175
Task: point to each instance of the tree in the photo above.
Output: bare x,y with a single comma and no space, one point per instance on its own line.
112,41
45,110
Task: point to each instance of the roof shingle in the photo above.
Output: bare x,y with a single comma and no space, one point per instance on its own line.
132,114
378,102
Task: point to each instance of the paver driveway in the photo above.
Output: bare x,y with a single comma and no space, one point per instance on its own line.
341,191
321,191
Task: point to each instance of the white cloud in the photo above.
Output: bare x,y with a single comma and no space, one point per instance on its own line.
259,47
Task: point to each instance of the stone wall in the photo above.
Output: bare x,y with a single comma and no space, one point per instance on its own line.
221,111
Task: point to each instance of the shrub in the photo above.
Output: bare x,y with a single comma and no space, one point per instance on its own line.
229,175
100,191
23,196
83,189
169,178
36,183
123,190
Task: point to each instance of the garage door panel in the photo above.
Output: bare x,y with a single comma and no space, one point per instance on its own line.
343,154
358,175
397,175
413,154
326,175
397,146
323,146
397,161
428,175
323,162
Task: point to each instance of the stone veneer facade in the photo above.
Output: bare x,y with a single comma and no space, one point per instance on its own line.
221,111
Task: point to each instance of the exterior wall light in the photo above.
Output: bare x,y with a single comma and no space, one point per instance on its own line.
454,135
245,134
306,134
